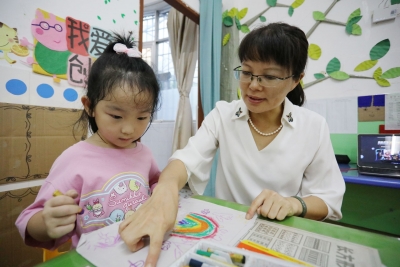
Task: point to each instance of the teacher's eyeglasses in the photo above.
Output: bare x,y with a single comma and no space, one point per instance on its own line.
263,80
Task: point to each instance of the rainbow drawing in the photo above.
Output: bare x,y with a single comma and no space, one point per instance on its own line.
195,226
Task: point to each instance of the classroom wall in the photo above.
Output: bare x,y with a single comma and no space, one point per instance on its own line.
193,4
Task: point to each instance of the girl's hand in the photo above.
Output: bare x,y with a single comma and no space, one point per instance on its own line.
59,214
273,206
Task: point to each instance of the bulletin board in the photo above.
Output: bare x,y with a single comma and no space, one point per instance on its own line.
47,47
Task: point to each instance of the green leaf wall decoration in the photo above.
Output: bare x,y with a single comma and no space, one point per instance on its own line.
379,50
314,51
263,19
319,76
226,38
290,11
355,13
350,23
271,2
245,28
238,25
318,16
356,29
339,75
294,5
349,28
366,65
391,73
333,65
354,20
228,21
382,82
297,3
232,13
377,73
242,13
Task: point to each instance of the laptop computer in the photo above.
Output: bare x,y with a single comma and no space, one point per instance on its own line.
379,154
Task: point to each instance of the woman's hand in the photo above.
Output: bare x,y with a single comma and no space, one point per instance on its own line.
157,215
59,214
274,206
153,219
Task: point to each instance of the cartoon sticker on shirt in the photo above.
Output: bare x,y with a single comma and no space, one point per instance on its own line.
133,185
120,188
97,208
117,215
122,195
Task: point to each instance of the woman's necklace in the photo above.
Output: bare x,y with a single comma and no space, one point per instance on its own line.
264,134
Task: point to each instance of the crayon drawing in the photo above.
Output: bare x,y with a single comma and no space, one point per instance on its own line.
195,226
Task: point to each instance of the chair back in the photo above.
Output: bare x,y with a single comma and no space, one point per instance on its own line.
49,254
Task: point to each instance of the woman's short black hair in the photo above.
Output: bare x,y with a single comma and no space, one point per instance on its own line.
112,70
282,44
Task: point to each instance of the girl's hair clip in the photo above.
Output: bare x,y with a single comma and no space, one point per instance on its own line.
131,52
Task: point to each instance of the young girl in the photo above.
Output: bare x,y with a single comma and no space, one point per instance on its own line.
107,177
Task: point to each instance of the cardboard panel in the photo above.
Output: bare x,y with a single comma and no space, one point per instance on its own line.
32,137
13,251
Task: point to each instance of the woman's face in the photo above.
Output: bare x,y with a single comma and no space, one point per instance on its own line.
260,99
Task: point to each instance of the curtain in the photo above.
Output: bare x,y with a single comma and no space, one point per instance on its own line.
183,40
209,62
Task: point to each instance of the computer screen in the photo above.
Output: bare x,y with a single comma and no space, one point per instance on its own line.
378,149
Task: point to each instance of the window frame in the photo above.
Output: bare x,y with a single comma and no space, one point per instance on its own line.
192,15
153,44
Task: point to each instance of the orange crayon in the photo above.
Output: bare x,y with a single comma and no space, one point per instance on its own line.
249,245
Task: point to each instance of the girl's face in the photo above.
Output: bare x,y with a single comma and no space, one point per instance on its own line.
259,99
122,117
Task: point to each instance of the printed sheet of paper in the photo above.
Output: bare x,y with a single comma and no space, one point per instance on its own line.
340,113
392,112
318,250
196,220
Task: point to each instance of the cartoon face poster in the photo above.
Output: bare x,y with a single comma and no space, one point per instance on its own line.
371,108
47,49
196,220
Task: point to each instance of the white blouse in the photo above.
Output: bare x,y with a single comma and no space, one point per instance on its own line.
299,161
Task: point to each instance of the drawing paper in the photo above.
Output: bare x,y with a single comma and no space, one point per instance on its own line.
196,220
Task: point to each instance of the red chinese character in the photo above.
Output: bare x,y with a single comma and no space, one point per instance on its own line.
77,36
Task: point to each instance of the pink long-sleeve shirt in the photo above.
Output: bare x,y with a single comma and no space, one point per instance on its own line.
111,183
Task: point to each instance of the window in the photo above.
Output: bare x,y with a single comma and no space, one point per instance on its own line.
157,53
